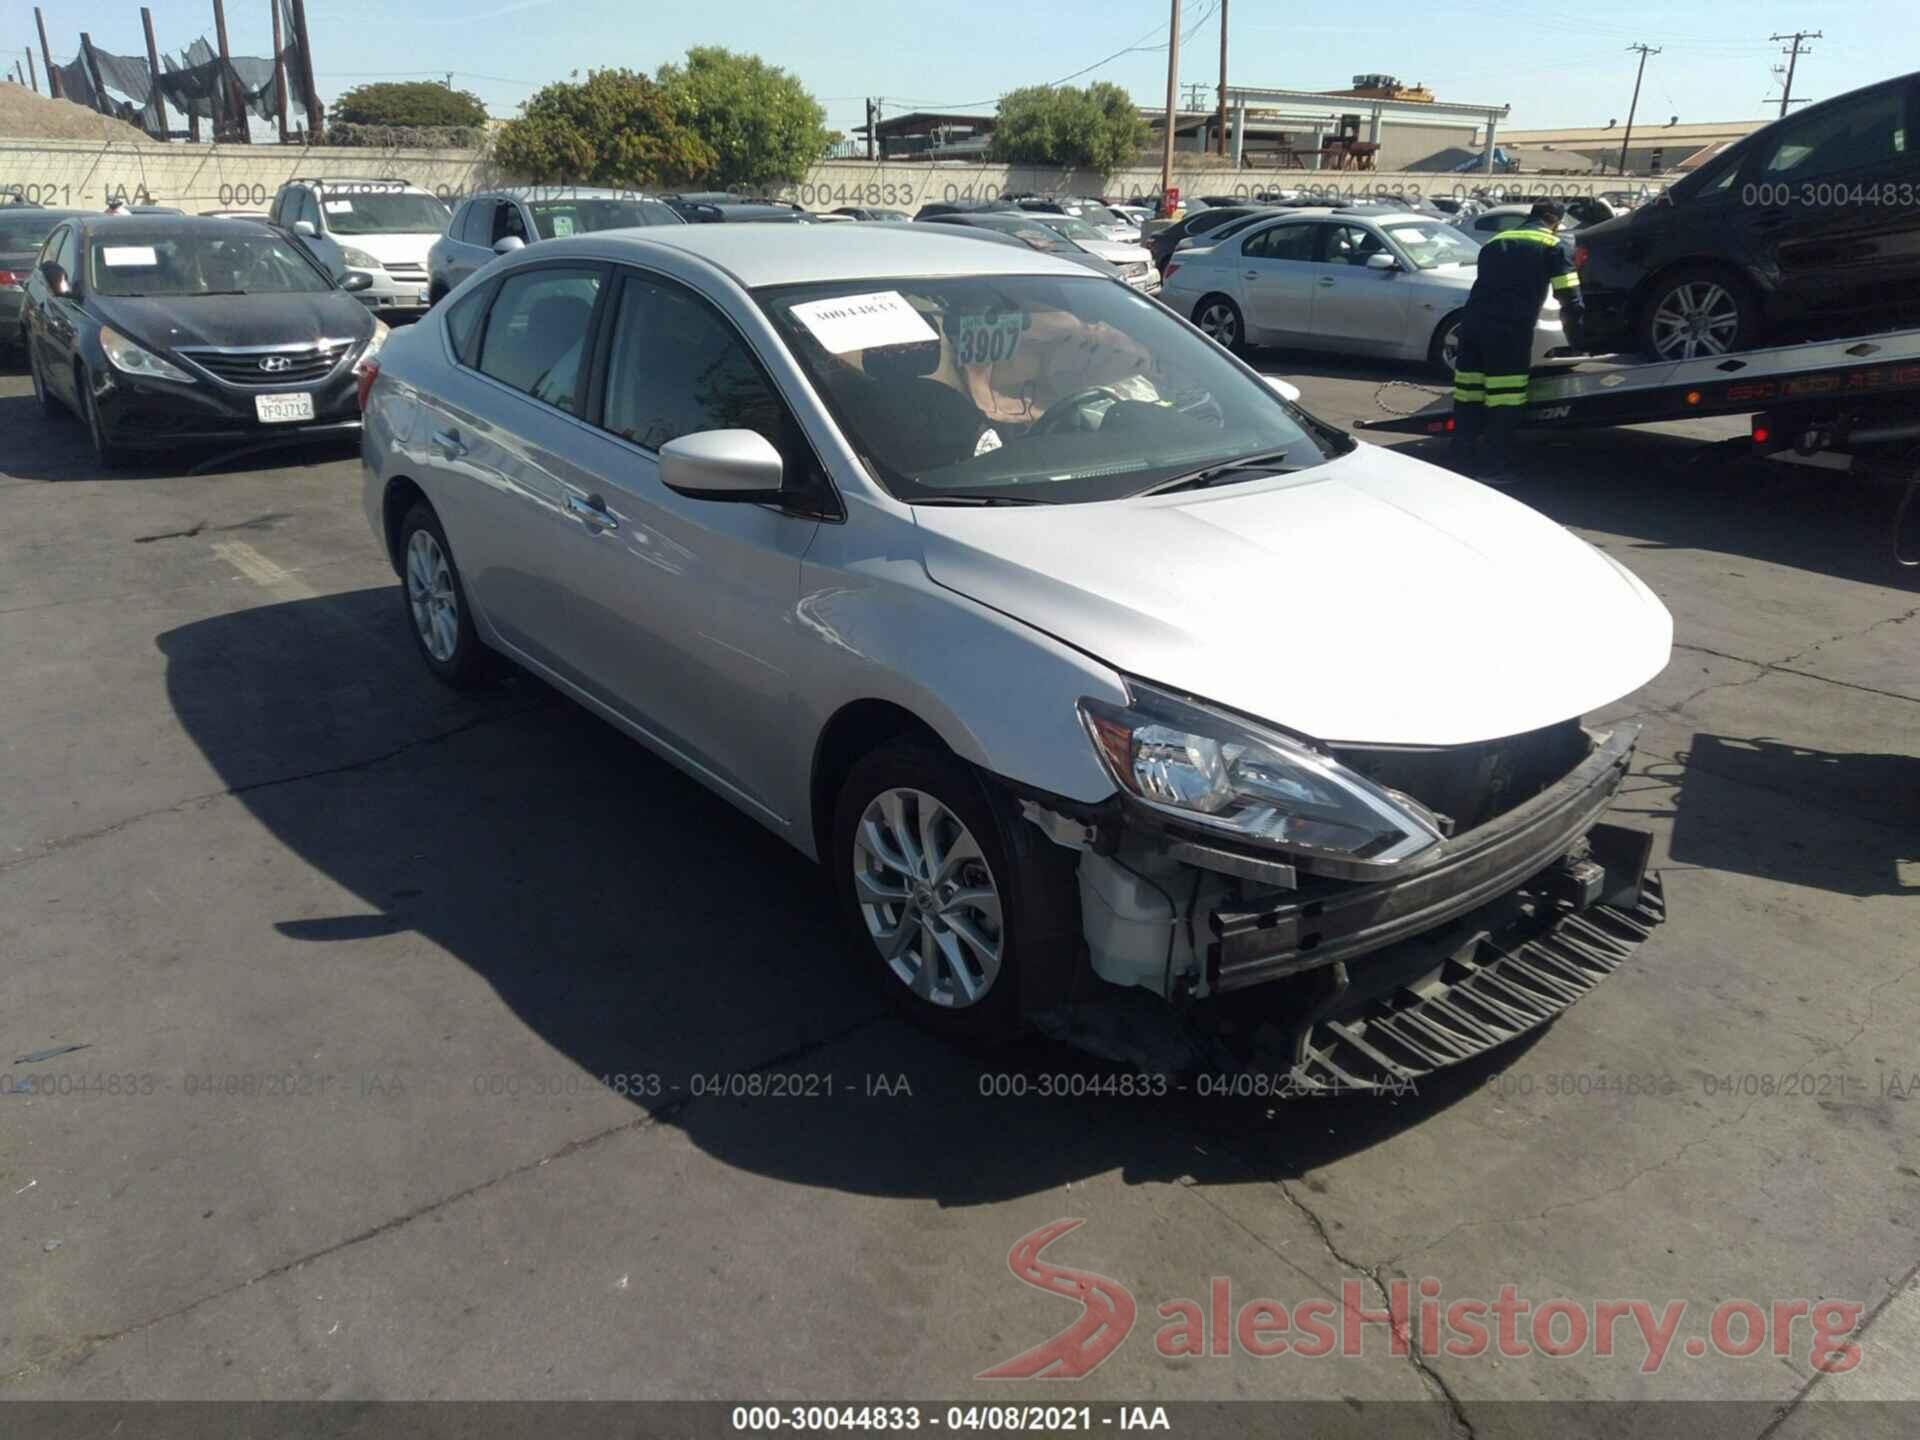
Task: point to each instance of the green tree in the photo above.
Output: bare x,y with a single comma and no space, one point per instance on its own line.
614,128
760,122
414,102
1097,128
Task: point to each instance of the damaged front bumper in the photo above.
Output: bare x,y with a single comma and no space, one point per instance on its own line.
1360,986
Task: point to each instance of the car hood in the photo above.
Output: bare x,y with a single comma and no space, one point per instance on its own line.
1116,253
175,321
392,249
1372,599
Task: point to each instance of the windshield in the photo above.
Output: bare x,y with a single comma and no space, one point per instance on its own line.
249,262
1073,229
391,212
27,232
1433,243
1028,388
556,219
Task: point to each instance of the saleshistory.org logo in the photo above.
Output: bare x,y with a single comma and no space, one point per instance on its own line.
1509,1326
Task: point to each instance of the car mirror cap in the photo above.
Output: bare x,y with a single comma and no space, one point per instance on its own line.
356,281
56,278
722,465
305,228
507,244
1285,389
1382,261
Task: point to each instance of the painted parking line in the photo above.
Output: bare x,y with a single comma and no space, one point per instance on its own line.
263,572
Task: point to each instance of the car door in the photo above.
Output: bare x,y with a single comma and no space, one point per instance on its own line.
1276,271
1834,218
62,317
469,248
684,625
1357,308
500,433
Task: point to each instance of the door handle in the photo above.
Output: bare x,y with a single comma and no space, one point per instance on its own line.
449,442
1250,274
592,512
1327,280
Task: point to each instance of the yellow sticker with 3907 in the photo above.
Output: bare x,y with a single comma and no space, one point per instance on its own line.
985,339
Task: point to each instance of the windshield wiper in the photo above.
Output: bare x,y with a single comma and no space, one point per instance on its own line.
980,500
1211,475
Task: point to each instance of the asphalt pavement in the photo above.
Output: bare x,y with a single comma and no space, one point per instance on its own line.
363,1040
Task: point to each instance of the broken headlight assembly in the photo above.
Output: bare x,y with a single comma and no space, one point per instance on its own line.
1220,773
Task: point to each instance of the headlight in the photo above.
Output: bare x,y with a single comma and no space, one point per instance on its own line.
1222,773
129,357
358,259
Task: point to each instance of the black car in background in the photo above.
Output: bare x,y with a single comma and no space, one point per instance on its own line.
1808,226
161,330
1163,243
23,229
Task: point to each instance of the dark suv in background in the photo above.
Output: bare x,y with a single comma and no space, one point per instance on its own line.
1808,226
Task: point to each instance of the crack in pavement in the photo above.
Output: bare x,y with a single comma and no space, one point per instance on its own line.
69,842
1431,1377
1780,669
1859,1331
86,1345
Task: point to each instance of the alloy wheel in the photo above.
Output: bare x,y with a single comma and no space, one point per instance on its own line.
1450,347
436,610
1697,318
928,898
1220,323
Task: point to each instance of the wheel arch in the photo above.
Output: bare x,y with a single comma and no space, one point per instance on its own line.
854,730
400,496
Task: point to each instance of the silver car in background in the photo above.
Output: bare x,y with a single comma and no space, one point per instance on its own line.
1361,283
499,222
1091,668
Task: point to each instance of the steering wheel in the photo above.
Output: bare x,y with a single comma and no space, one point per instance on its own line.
1054,418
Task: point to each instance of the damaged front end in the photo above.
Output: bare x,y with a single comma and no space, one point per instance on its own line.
1489,899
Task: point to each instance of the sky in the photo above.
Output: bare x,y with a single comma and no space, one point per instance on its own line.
1556,66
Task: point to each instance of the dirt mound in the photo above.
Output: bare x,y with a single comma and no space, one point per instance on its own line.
27,116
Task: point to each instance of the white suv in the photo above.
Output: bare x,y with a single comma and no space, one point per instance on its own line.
382,228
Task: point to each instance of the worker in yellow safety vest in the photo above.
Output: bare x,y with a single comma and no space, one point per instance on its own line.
1517,269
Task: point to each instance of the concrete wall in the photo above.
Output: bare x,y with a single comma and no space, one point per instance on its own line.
84,174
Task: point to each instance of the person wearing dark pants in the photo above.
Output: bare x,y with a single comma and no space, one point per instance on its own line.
1517,270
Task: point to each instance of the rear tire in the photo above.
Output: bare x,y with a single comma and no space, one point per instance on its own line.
434,600
1443,353
965,918
1698,311
1221,320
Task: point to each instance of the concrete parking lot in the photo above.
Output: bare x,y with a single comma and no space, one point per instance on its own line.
419,1035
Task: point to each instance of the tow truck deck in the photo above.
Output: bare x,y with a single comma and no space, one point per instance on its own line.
1831,395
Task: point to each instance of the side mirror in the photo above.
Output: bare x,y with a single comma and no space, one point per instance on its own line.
305,228
1285,389
56,277
1380,260
507,244
722,465
356,281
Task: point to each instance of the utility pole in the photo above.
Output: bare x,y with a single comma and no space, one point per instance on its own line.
1220,125
33,76
155,99
279,71
873,128
1793,59
1173,96
1644,52
53,75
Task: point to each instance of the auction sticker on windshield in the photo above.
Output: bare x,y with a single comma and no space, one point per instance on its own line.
985,339
134,255
864,322
280,409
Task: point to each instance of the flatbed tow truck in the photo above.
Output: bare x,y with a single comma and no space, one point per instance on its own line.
1856,396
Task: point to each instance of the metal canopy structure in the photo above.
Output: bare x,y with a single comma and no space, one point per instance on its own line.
1241,98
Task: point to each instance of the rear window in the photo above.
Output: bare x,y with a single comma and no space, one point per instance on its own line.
385,212
27,231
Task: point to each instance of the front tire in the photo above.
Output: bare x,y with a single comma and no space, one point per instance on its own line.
48,401
1698,311
1221,320
1444,353
435,602
964,921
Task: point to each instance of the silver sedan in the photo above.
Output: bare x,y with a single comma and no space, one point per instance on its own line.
924,552
1388,285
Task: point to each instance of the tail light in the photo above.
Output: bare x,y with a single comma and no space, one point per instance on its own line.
12,279
1580,254
368,372
1167,274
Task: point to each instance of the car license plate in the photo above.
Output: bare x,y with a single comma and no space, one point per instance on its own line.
280,409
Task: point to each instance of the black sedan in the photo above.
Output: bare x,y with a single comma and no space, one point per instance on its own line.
158,331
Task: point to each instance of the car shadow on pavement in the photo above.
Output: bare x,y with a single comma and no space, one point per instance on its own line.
1854,829
641,926
55,448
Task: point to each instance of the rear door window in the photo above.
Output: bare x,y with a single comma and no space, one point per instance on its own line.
536,334
1283,242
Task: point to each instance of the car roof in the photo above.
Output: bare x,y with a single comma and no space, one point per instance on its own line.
157,225
758,255
568,192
